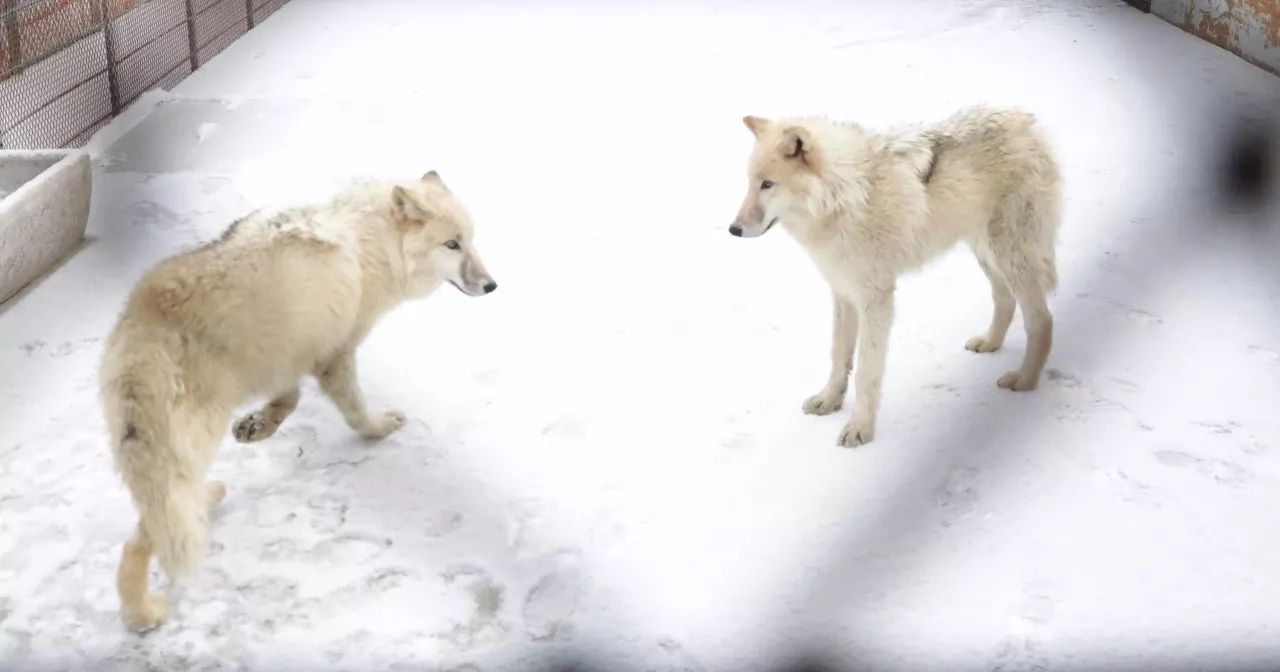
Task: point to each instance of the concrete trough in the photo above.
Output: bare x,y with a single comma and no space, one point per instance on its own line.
44,209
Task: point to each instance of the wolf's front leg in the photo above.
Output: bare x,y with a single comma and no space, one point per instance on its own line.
338,380
844,336
875,317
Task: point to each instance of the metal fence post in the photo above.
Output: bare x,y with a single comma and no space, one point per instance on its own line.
108,36
192,46
12,35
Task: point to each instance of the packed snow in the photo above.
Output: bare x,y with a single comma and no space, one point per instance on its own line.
606,459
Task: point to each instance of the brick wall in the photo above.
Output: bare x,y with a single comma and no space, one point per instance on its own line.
1248,28
45,26
62,75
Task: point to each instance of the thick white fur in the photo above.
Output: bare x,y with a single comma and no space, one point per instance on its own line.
279,296
869,206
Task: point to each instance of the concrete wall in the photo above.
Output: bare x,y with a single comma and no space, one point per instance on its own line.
1249,28
43,213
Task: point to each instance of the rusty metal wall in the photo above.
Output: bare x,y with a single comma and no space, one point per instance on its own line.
1248,28
68,66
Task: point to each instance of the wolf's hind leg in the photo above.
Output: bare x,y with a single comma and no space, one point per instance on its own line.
1002,314
141,609
1039,325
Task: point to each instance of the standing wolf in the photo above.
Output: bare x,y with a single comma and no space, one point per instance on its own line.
279,296
868,207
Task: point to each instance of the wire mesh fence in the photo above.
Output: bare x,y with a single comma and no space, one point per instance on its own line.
68,66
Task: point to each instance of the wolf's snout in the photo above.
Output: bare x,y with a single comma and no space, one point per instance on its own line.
490,286
736,230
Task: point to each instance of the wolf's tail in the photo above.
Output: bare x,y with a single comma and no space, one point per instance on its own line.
140,382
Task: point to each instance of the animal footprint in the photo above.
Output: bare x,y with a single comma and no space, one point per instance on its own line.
280,549
739,442
350,549
1265,354
328,512
522,524
1065,379
150,213
943,388
565,427
1126,385
1111,263
275,508
488,598
67,348
356,641
681,660
1219,427
272,589
1135,491
1112,307
416,430
1082,412
418,436
1036,609
1022,649
441,523
1248,443
1224,472
386,579
551,604
955,496
454,572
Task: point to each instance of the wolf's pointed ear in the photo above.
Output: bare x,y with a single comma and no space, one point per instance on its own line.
432,177
796,144
406,206
755,124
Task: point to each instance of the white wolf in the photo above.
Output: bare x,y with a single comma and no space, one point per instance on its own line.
280,295
868,207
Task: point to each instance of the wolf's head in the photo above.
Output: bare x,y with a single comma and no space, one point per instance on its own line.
782,178
437,239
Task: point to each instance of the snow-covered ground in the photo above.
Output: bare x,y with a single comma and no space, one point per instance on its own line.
607,456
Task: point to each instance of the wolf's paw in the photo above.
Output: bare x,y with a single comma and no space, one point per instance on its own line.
823,404
148,615
982,344
856,433
255,426
385,424
1017,381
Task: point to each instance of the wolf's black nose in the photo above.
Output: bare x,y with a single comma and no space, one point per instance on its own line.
736,230
490,287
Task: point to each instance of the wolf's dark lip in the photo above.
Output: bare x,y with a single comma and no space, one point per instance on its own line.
770,226
464,291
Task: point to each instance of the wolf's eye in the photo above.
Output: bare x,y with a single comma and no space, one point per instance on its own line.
765,185
453,245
